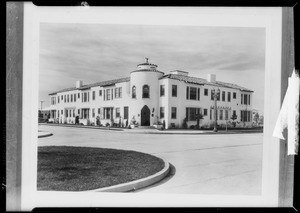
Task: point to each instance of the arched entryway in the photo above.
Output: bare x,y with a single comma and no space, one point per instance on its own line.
145,116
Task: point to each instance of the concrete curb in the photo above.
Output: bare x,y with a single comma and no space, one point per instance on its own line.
44,134
137,184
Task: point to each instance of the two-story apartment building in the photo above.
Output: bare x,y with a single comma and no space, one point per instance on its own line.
149,96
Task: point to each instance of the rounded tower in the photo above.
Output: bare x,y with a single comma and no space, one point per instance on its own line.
144,93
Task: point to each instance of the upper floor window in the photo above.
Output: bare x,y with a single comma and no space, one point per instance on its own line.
146,91
78,95
133,95
234,95
108,94
57,99
71,97
229,96
223,95
118,92
94,94
85,97
100,92
74,97
174,90
162,90
192,93
206,92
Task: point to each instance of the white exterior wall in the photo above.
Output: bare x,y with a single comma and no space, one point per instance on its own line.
139,79
154,102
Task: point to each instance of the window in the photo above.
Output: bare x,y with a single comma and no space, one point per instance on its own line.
249,100
93,113
174,90
133,95
107,113
191,113
192,93
94,94
104,95
223,95
234,95
212,95
234,112
173,112
226,114
85,113
210,114
58,99
78,111
162,112
229,96
74,97
108,94
68,99
65,98
112,94
146,91
126,112
117,112
242,99
118,92
71,97
78,95
73,112
205,112
245,99
62,97
66,113
206,92
99,111
162,90
100,92
61,112
221,114
245,116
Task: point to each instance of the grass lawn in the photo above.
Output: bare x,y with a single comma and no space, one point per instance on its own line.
66,168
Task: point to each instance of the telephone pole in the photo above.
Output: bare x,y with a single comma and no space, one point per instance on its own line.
216,93
42,105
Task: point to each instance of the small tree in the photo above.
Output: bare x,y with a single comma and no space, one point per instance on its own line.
256,118
233,118
199,117
184,125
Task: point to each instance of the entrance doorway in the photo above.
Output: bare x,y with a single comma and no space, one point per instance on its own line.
145,116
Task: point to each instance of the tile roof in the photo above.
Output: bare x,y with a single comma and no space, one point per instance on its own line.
101,84
202,81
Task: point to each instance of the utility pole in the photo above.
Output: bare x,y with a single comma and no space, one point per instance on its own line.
216,93
42,105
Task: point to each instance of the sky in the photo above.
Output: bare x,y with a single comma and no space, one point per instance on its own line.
99,52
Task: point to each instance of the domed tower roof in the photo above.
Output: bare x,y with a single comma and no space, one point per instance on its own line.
148,67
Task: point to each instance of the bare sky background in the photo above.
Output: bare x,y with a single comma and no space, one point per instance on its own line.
98,52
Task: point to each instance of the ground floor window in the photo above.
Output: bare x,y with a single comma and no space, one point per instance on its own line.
205,112
226,114
85,113
117,112
162,112
191,113
93,113
245,116
126,112
108,112
173,112
221,114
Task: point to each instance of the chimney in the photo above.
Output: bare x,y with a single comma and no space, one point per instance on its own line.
78,84
179,72
211,78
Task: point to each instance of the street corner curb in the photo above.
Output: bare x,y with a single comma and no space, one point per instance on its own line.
137,184
44,134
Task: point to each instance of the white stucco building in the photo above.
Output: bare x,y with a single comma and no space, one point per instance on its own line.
149,96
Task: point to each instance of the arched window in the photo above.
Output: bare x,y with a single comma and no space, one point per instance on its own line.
133,92
146,91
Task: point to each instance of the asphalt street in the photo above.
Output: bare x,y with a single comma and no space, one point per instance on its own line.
225,164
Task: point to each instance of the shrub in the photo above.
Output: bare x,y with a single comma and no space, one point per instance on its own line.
107,124
184,125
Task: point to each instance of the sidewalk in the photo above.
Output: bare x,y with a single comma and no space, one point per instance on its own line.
156,131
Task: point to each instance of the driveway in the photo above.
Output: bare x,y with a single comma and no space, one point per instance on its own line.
229,164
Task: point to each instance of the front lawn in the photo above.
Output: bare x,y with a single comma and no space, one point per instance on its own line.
65,168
